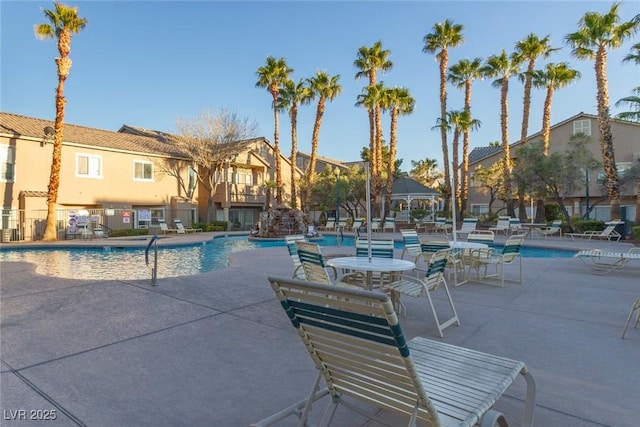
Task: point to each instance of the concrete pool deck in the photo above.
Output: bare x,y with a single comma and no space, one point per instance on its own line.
216,349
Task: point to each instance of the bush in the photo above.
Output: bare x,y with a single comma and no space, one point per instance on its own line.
551,212
129,232
582,225
211,226
635,232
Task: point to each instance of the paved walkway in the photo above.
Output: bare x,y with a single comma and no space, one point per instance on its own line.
217,350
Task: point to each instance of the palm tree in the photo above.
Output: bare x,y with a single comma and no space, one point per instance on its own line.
399,102
272,76
426,171
552,77
633,56
529,50
292,95
444,35
633,102
326,88
372,97
460,122
462,76
63,23
368,61
503,67
596,35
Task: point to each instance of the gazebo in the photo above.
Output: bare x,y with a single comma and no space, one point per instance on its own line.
408,189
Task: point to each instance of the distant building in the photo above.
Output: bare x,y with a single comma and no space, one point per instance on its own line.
118,179
626,141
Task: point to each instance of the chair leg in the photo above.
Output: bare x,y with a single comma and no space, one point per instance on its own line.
636,306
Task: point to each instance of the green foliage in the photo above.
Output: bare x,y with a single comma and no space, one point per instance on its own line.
582,225
635,231
551,212
211,226
129,232
417,214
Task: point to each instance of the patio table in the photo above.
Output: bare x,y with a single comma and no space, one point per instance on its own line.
369,266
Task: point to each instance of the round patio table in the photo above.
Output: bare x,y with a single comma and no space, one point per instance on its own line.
369,266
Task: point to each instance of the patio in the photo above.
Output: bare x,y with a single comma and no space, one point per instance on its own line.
217,349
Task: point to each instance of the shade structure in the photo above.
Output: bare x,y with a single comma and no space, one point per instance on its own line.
405,188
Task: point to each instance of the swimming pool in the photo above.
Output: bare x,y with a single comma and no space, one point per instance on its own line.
109,263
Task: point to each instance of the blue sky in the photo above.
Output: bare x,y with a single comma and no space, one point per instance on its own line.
147,63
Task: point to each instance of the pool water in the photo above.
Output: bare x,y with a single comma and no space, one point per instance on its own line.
110,263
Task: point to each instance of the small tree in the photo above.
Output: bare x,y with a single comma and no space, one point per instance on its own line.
211,142
490,181
558,174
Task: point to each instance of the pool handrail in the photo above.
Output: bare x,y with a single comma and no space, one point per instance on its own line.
154,269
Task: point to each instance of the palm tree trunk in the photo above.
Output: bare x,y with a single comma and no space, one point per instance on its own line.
276,146
392,157
454,171
294,155
314,148
50,230
606,139
504,120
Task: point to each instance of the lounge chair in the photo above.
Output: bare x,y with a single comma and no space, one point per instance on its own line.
502,226
602,262
181,228
417,287
342,223
635,307
483,258
357,223
330,225
357,345
555,228
609,233
468,226
99,232
389,224
165,228
290,240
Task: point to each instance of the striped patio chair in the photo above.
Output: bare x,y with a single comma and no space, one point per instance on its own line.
290,240
510,253
389,224
379,249
316,269
358,348
468,225
411,245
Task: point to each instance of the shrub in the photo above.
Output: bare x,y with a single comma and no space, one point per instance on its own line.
582,225
551,212
129,232
635,232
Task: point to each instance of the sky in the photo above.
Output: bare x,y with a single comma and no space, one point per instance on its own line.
151,63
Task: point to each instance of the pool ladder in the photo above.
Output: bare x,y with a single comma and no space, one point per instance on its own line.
154,268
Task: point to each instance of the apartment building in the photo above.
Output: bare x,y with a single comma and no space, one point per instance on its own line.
626,141
128,178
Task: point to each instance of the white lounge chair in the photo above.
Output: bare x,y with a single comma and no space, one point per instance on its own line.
290,241
389,224
502,226
357,345
165,228
602,262
609,233
468,226
635,307
555,228
181,228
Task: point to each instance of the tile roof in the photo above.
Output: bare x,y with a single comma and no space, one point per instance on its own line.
405,185
480,153
14,124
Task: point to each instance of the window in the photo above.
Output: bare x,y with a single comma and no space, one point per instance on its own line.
582,126
244,177
7,163
88,166
142,171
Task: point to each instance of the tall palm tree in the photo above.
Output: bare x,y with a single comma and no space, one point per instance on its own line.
529,50
369,61
372,98
462,76
596,35
460,122
504,67
63,23
399,102
326,88
272,76
291,96
444,35
552,77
